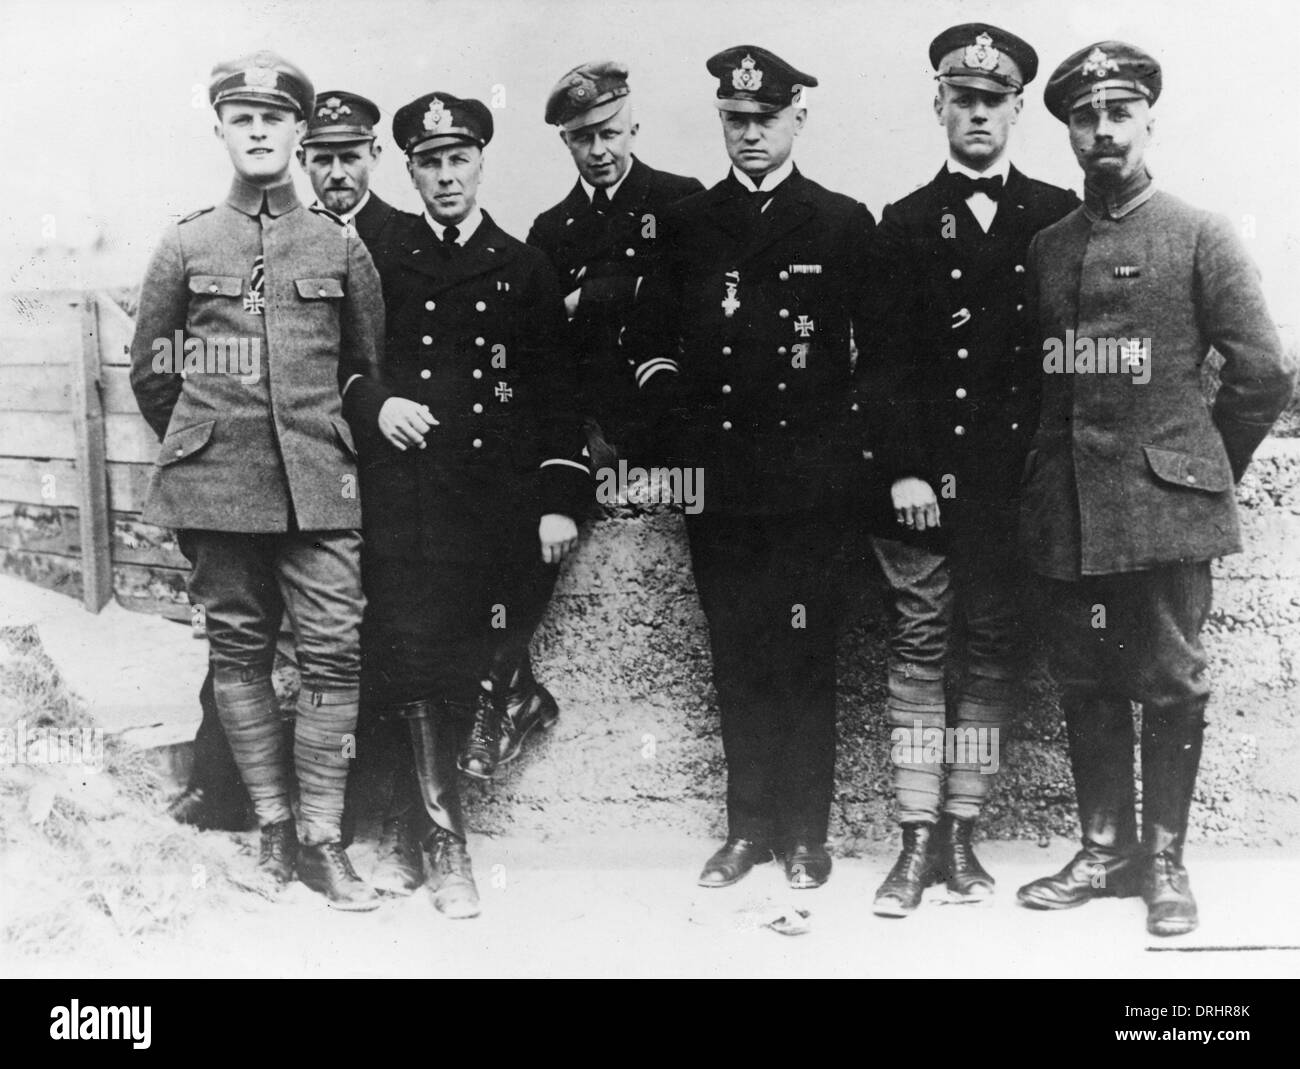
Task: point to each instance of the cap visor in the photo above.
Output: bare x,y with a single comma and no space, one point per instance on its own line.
1109,93
337,137
265,99
599,113
754,107
438,141
975,81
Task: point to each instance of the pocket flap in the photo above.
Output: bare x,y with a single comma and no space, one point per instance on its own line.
1188,470
220,285
319,289
185,442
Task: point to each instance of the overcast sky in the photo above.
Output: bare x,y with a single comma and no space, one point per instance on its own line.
104,106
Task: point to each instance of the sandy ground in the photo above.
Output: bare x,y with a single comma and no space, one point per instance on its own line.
628,907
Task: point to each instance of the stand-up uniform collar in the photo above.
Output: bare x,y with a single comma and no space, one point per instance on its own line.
249,199
770,180
1117,203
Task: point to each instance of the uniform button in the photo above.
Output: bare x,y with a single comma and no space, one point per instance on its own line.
427,339
783,423
784,276
962,354
212,288
477,443
956,272
631,252
964,312
481,306
477,409
320,292
959,430
180,451
726,387
1015,426
780,385
726,424
1020,269
961,392
782,351
854,407
479,342
426,374
726,350
1015,389
784,313
1020,308
429,306
1191,478
478,373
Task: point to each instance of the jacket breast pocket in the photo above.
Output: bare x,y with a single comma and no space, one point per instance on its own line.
1210,475
216,285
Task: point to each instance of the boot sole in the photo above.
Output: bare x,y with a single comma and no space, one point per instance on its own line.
482,777
354,907
892,908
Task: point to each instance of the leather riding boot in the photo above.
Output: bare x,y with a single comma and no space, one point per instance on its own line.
451,877
967,878
433,748
1100,730
1171,755
483,743
399,864
916,869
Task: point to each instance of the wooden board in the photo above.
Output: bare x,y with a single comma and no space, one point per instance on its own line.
36,388
40,482
128,486
40,328
160,591
38,434
129,439
115,331
49,570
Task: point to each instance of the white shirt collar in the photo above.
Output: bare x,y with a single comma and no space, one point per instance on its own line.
1001,169
347,217
770,180
466,226
590,190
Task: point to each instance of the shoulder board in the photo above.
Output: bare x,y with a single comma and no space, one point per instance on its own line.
195,215
321,210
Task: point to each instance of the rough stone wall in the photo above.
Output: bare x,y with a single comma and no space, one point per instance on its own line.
625,651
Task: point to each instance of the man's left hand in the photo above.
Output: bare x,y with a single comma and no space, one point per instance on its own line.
559,537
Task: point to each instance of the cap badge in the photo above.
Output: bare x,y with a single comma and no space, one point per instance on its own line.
747,76
437,119
260,78
1099,64
332,109
580,88
982,55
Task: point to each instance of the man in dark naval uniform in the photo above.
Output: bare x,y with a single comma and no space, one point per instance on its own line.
742,349
602,239
339,153
954,401
1129,490
472,479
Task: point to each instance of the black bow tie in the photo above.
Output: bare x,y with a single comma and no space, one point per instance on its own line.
967,186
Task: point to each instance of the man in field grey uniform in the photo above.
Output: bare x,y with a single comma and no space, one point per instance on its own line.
1128,488
257,468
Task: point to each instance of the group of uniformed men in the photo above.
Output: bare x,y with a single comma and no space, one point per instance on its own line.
818,367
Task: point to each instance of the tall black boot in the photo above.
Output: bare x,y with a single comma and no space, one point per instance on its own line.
918,866
1171,755
433,743
1100,731
399,866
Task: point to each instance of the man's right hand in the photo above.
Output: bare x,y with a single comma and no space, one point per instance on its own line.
404,423
915,504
